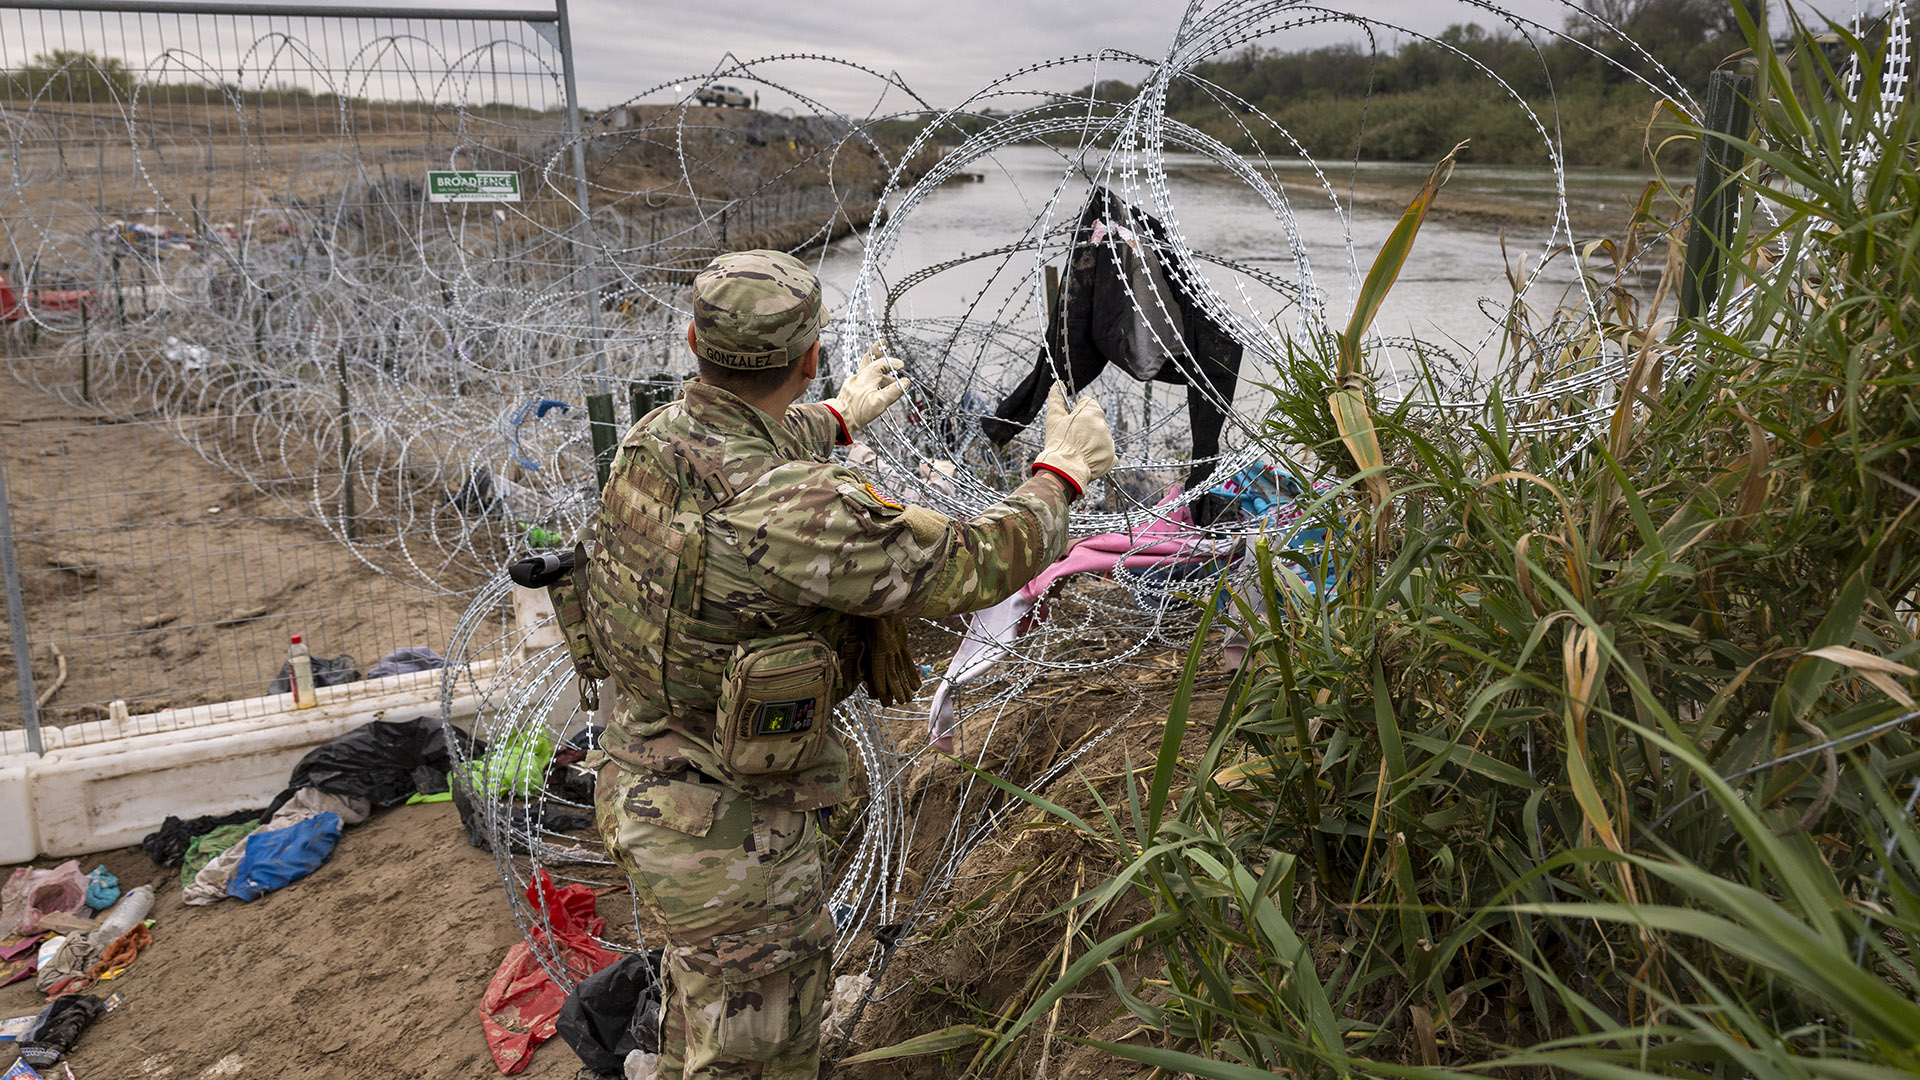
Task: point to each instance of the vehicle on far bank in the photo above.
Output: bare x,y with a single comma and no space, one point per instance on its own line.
721,94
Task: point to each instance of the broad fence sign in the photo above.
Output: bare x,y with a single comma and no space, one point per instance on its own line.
471,186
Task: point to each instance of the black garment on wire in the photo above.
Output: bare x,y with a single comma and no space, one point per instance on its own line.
1088,330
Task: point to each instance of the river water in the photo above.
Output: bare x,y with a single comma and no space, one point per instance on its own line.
984,316
1439,295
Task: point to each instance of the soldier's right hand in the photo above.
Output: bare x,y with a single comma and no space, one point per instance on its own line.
1079,447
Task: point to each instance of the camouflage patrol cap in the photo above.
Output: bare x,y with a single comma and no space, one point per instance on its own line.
755,310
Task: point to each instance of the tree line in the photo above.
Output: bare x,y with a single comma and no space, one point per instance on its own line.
1416,100
74,76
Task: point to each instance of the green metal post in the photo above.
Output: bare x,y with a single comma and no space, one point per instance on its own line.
648,394
1716,195
601,425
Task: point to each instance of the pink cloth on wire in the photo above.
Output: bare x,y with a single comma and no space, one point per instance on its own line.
992,632
1167,539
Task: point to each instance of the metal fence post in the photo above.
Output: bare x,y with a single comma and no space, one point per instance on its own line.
17,622
1716,195
605,437
346,442
589,261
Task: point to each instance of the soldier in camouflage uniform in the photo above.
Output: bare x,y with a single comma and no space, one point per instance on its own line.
726,526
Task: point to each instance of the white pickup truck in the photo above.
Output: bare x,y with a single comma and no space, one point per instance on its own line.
721,94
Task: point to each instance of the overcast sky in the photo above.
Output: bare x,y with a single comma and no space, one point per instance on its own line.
945,49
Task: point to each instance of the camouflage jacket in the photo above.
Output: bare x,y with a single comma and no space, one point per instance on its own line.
721,525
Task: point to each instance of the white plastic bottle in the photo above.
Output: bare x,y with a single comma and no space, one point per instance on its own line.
301,661
131,910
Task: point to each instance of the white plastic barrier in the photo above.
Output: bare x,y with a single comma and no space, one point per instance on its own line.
109,791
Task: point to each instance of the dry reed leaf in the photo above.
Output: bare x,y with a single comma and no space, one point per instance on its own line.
1753,487
1580,654
1239,776
1423,1035
1863,661
1354,421
1877,670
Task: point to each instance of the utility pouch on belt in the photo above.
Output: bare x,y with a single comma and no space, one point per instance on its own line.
565,593
776,704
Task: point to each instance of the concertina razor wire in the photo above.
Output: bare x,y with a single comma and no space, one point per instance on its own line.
268,254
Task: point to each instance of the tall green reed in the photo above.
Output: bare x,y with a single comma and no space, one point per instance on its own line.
1600,756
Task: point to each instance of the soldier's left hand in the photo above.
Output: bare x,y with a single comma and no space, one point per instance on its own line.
872,389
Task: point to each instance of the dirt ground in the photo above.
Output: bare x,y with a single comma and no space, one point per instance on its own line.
165,580
372,967
972,953
375,965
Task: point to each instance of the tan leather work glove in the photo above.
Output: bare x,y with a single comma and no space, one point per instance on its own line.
1079,447
874,387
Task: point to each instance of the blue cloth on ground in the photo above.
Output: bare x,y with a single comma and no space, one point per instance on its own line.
1259,488
1281,499
102,888
279,858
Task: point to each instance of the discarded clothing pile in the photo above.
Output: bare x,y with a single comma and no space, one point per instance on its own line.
292,844
168,845
73,963
140,236
248,855
405,660
522,1005
1158,555
327,671
37,904
1127,299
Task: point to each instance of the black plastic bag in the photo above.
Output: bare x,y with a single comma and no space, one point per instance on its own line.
384,762
614,1012
476,828
572,783
327,671
553,817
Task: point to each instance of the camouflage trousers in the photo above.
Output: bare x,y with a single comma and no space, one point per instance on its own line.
739,888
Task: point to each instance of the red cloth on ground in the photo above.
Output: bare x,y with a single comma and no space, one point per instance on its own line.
522,1002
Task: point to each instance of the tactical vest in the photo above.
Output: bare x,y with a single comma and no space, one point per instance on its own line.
643,581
